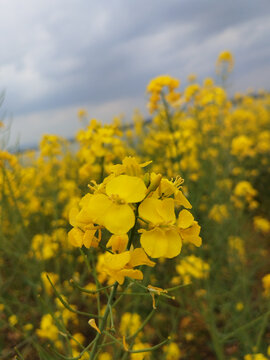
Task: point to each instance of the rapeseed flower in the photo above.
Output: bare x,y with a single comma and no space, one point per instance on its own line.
119,266
165,234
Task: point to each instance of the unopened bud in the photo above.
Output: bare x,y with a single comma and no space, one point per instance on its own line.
155,181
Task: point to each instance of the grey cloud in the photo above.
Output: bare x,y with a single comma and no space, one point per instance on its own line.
70,52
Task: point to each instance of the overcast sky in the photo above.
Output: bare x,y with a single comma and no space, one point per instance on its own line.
60,55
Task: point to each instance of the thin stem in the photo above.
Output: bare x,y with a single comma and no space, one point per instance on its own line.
262,330
245,326
142,325
104,320
177,287
66,305
82,289
152,348
109,306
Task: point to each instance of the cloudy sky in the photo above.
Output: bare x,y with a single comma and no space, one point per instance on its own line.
60,55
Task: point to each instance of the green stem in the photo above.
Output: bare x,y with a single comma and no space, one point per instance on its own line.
262,330
245,326
111,297
133,337
171,129
93,292
152,348
103,321
66,305
177,287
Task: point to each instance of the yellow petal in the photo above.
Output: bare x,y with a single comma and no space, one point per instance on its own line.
148,211
166,210
88,238
85,200
116,261
131,189
154,242
153,300
119,218
174,242
185,219
157,211
167,187
133,274
83,217
182,200
192,234
118,242
125,343
72,216
75,237
155,181
119,275
95,208
197,241
139,257
93,324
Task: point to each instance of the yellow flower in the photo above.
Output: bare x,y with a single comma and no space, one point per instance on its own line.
111,210
266,284
129,189
105,356
242,146
118,243
192,267
157,212
239,306
236,245
140,355
53,277
116,216
258,356
172,351
158,85
165,234
28,327
160,242
81,113
118,266
78,238
245,189
192,234
13,320
225,58
208,82
129,166
180,199
261,224
79,338
130,323
185,219
163,239
192,77
47,328
191,91
219,213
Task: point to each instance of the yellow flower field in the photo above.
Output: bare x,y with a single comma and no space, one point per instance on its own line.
149,241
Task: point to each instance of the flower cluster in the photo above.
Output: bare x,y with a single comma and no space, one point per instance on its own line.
128,196
156,88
